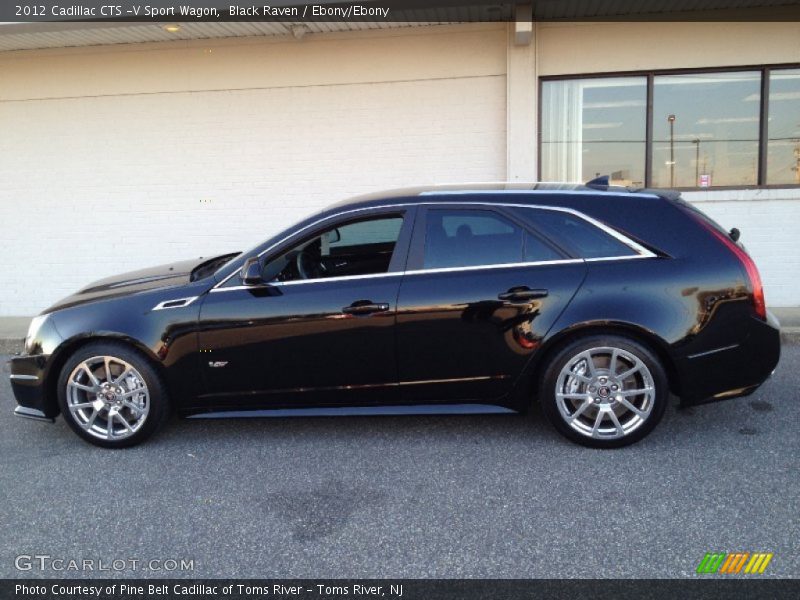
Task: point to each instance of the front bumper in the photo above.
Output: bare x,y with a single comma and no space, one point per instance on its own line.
28,384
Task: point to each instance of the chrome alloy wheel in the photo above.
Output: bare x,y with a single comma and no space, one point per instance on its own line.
108,397
605,393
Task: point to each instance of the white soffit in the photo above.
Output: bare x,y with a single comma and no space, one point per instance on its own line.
28,36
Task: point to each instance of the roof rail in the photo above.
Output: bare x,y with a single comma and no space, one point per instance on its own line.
602,183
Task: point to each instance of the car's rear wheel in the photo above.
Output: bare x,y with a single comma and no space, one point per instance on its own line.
111,395
604,391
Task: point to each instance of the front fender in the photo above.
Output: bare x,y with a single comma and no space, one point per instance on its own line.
166,337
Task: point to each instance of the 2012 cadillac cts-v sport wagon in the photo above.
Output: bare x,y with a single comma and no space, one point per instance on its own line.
596,302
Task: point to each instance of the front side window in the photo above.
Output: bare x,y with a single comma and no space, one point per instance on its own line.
467,238
593,127
362,247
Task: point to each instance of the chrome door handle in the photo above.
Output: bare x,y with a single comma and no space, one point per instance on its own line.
521,293
365,307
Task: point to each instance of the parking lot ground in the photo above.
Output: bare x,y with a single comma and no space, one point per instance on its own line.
455,496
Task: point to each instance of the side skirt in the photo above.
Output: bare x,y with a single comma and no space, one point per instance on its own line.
353,411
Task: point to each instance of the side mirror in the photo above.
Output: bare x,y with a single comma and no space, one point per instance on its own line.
251,272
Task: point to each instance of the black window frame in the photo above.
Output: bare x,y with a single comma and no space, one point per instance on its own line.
763,115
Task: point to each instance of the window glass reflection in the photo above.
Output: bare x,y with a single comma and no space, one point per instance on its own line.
593,127
464,238
783,144
705,129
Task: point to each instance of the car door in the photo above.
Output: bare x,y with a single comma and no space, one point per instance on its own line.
321,330
480,292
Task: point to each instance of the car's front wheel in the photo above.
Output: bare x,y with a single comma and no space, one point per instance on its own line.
111,395
604,391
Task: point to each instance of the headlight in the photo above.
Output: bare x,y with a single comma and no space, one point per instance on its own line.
33,329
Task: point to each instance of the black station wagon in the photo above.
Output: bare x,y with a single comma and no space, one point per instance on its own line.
596,302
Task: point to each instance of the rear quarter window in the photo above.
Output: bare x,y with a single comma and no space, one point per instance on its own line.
576,234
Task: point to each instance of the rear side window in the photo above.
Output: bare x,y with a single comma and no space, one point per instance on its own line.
577,234
467,238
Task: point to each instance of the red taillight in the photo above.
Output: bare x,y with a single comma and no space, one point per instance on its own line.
759,304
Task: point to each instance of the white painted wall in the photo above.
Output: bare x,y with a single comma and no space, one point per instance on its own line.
99,178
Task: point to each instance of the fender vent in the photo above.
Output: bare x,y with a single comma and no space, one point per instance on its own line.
177,303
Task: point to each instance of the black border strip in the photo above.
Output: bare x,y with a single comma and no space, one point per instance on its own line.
712,588
410,10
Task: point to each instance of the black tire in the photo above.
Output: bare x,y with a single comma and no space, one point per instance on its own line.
627,348
158,400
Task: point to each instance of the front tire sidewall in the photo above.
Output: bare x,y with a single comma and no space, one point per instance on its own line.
157,395
547,388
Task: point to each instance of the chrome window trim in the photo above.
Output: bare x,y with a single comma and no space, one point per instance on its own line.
538,263
626,257
535,263
641,251
186,302
307,281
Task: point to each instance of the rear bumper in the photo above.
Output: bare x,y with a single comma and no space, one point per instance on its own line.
27,383
733,370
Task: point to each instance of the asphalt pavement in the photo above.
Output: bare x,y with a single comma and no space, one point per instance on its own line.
444,496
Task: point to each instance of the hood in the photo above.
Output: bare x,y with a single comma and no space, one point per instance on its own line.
164,276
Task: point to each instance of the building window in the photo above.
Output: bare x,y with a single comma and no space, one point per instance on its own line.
705,129
783,138
689,129
594,127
